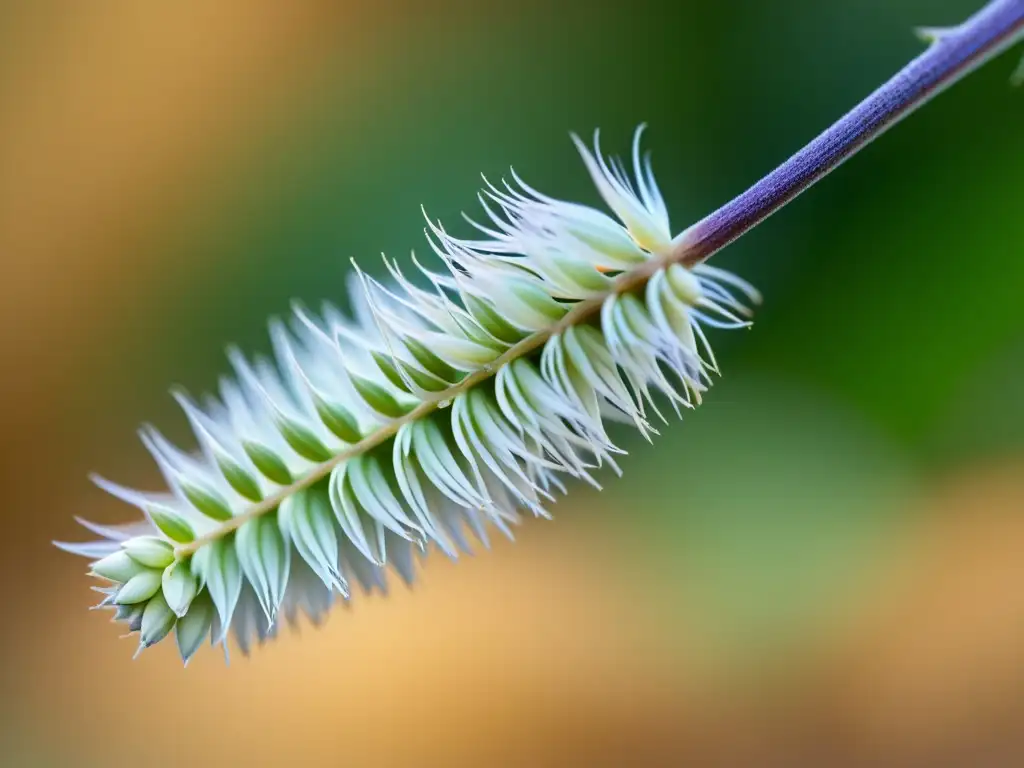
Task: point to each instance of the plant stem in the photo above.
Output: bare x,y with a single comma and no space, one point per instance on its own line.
953,53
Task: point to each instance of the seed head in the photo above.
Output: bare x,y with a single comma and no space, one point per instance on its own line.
439,409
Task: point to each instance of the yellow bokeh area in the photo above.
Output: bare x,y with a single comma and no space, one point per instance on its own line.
820,566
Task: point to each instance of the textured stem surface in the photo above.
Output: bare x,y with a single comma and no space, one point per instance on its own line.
953,53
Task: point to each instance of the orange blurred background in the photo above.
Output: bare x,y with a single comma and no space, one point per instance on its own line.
813,570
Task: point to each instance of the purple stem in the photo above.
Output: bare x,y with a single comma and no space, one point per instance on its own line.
953,53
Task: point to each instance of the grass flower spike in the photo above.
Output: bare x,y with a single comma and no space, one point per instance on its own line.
431,416
444,407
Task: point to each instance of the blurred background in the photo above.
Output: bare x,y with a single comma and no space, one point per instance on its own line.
822,566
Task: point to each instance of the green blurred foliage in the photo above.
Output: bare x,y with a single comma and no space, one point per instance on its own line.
775,506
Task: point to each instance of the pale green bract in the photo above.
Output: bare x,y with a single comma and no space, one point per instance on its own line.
436,412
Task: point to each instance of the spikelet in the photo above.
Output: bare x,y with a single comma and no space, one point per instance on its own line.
436,412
